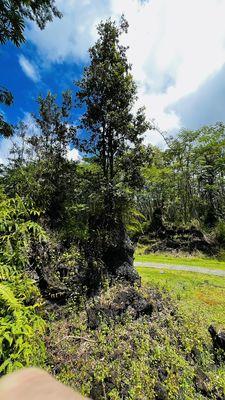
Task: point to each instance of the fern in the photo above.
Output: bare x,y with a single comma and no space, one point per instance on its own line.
134,221
18,231
21,326
7,272
8,298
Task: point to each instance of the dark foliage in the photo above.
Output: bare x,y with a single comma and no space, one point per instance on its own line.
13,14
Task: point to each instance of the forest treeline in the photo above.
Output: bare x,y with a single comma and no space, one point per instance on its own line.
186,181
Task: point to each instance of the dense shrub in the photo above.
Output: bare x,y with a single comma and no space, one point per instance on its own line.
17,230
21,326
220,232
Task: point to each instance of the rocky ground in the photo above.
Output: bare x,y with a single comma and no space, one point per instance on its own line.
133,343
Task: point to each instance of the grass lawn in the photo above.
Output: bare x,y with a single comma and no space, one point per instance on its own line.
197,295
180,260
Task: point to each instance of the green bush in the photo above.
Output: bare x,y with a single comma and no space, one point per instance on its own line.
17,230
220,232
21,327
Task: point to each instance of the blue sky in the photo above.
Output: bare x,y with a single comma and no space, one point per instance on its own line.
177,49
21,74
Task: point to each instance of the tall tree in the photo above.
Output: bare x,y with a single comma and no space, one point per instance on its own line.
51,145
54,123
39,167
108,92
113,132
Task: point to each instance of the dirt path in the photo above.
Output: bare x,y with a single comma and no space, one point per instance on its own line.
200,270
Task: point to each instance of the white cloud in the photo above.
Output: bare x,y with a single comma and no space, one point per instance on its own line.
6,144
31,126
29,69
71,36
175,46
73,155
32,129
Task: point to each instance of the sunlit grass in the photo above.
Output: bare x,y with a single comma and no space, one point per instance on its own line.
180,259
196,294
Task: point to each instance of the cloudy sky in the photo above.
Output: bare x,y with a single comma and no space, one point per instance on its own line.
176,47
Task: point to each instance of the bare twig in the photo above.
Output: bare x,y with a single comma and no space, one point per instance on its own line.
75,338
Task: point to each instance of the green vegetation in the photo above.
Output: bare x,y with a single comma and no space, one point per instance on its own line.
180,259
68,229
113,352
21,327
186,180
196,293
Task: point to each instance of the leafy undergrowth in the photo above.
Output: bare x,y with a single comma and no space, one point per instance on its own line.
21,326
133,344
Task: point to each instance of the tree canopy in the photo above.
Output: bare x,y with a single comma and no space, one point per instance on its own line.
13,15
108,92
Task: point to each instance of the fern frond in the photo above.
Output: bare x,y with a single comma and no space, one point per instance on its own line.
7,273
21,326
7,296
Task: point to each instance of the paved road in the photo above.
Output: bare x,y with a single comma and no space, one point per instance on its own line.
192,268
